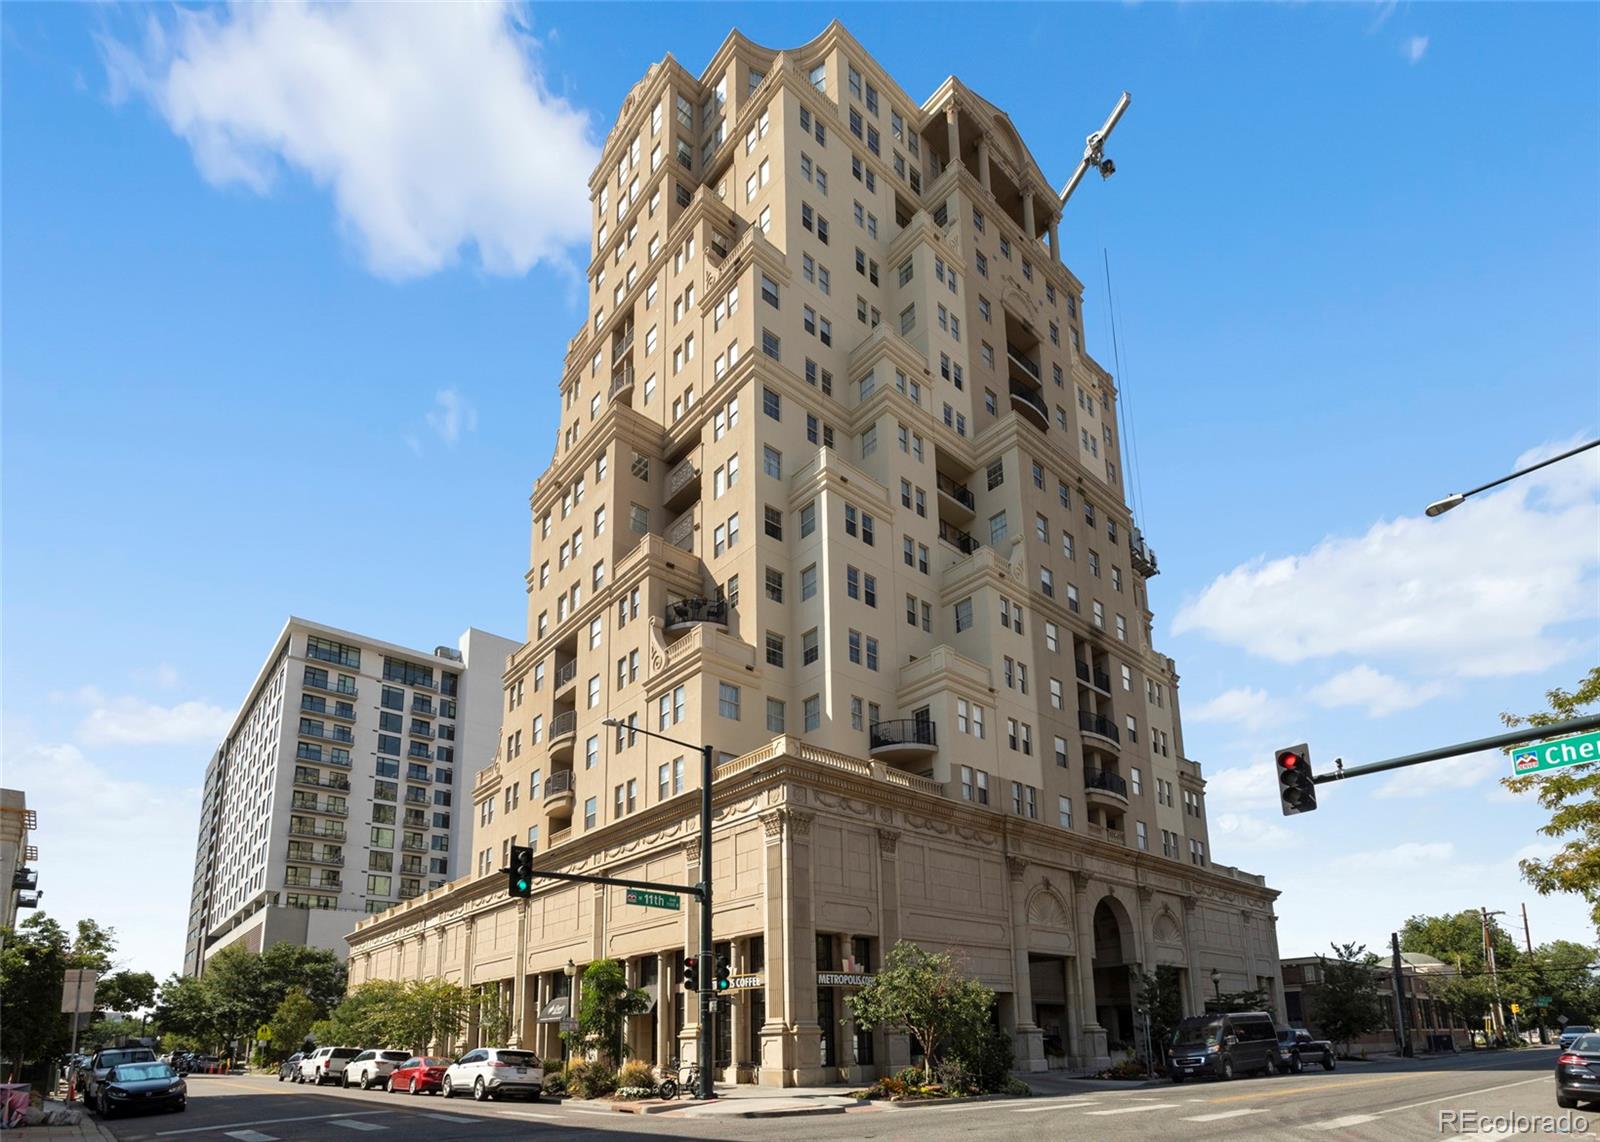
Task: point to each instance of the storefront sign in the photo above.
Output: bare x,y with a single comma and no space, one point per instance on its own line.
843,979
746,982
556,1009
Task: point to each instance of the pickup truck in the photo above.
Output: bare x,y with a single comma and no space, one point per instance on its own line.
1299,1050
91,1076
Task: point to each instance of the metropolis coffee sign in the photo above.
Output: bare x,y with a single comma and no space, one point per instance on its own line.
843,979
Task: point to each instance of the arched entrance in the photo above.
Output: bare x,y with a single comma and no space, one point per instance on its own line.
1113,988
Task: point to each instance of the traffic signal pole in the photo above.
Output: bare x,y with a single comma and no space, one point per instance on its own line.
707,982
1499,741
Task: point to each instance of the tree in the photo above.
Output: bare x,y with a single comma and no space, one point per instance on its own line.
1346,1001
126,992
92,947
1251,999
606,1001
32,964
110,1032
1161,995
494,1016
184,1014
243,989
1572,794
925,994
292,1021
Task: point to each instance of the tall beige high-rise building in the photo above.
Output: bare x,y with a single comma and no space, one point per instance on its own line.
837,489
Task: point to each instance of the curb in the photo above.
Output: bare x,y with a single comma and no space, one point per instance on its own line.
657,1107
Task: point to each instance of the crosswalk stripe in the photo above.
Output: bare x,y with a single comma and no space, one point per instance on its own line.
1052,1106
530,1114
251,1136
440,1117
1136,1109
1218,1117
356,1124
1341,1123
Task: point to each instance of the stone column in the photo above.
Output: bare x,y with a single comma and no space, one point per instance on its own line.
518,975
896,1046
1249,952
1028,1035
666,987
800,941
1191,949
1281,1004
1028,231
952,127
1092,1052
983,161
775,1061
468,940
847,1064
1055,237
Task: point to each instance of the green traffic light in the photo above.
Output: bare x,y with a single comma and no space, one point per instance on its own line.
522,886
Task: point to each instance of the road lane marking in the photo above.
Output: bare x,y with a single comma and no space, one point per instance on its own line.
1136,1109
356,1124
1221,1114
1341,1123
1275,1091
1052,1106
450,1117
251,1136
1465,1094
531,1114
223,1126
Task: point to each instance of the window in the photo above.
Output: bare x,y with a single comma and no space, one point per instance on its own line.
773,521
808,647
808,582
811,710
774,581
1064,811
964,615
775,716
728,701
774,649
808,520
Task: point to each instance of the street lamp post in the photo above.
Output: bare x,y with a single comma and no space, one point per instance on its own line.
1216,985
1439,507
706,976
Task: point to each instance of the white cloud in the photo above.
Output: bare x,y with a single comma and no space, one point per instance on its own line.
1246,831
132,721
429,124
1380,693
451,415
1415,48
1243,787
1244,706
98,828
1480,592
1408,856
1434,777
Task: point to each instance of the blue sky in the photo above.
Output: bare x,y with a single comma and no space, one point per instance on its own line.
1356,262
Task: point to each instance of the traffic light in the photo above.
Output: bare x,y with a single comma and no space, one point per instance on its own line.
521,871
1296,789
691,973
723,983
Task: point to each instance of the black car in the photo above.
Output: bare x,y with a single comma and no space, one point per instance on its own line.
1223,1045
1299,1050
140,1086
1578,1072
290,1067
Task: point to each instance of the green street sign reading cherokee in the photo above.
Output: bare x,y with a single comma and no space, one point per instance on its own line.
1555,754
648,899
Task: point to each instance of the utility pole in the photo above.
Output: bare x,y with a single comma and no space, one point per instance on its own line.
1488,948
1400,1033
1527,941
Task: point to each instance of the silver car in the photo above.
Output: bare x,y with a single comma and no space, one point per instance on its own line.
490,1072
371,1068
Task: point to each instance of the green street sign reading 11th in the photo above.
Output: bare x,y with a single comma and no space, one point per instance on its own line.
647,899
1555,754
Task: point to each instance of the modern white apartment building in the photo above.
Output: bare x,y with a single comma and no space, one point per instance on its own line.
19,884
334,793
838,489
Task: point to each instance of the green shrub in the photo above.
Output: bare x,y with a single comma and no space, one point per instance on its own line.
910,1076
590,1080
555,1082
635,1073
985,1059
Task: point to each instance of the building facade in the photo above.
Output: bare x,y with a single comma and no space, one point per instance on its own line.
837,489
19,884
1431,1025
334,793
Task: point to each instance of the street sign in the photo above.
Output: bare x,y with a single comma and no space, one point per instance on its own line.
77,990
1561,1019
746,982
1555,754
1516,1009
645,898
1543,1001
569,1025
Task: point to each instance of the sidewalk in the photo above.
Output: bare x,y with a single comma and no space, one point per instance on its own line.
87,1127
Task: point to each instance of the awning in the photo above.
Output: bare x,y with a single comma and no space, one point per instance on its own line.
556,1010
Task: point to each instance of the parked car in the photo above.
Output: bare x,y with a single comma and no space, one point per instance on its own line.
490,1072
419,1075
202,1065
1578,1072
1297,1049
140,1086
1571,1033
103,1061
371,1068
1224,1045
289,1066
326,1064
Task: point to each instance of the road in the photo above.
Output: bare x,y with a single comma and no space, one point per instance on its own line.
1374,1103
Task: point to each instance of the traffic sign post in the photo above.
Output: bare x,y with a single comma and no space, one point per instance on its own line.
1576,750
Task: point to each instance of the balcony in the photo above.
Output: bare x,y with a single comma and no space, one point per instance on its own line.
331,832
956,495
334,782
1031,405
28,899
1105,787
682,485
622,380
1026,365
563,734
26,878
408,893
680,533
419,773
342,691
957,538
686,613
423,707
1142,556
1099,726
560,792
902,738
1106,833
558,836
412,845
566,674
1099,679
299,857
419,750
417,731
331,808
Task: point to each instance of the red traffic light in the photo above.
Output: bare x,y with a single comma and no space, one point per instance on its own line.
1289,760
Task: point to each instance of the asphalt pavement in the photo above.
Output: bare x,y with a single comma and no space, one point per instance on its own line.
1488,1097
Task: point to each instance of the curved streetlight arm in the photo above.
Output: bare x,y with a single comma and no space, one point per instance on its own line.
1094,150
1439,507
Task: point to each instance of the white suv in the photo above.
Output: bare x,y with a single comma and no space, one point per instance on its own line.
489,1072
326,1064
371,1068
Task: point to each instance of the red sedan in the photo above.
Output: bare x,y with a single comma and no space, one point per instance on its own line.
417,1075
